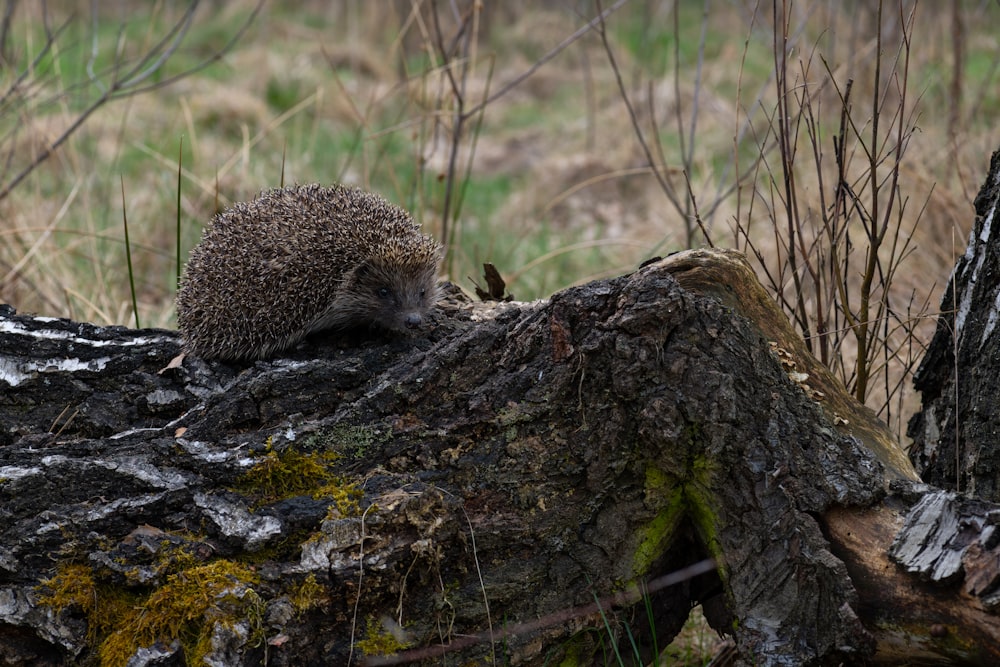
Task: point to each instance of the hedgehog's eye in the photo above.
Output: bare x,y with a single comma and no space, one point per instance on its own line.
383,292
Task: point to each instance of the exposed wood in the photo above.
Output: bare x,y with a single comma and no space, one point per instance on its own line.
925,566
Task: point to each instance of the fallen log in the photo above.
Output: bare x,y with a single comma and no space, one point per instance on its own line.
361,499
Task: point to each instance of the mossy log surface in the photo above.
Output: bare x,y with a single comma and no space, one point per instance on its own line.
517,462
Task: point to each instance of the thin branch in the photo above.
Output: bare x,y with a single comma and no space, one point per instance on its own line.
119,89
650,160
43,52
623,599
559,48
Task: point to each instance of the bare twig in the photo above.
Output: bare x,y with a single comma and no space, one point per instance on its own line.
653,163
131,82
842,306
559,48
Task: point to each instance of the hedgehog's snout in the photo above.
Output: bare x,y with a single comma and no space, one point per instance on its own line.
413,320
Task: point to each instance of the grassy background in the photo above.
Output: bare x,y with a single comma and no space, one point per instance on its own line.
548,181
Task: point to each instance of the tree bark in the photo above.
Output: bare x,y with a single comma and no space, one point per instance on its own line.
524,475
955,433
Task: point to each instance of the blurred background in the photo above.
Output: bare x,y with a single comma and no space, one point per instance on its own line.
839,144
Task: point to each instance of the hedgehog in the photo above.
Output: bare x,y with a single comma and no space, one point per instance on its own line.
302,259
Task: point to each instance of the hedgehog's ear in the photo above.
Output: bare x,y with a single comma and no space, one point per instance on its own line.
367,275
361,272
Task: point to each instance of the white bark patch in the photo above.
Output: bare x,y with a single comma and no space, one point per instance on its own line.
979,251
143,470
925,544
208,454
334,548
15,327
235,521
9,473
15,372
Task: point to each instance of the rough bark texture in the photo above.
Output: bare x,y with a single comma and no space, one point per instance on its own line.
515,463
955,433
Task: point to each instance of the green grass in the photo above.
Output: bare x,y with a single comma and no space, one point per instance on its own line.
283,94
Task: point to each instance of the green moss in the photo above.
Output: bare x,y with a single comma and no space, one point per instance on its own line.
284,548
307,595
699,505
75,588
288,473
575,653
657,482
379,641
186,607
171,557
72,587
675,500
571,660
278,475
345,498
655,536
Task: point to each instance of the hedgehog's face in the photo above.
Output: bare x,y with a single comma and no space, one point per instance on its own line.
394,297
